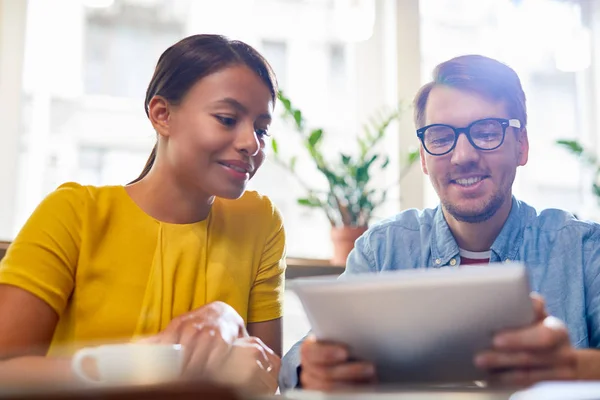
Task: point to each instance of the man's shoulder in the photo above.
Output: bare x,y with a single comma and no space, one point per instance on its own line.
555,221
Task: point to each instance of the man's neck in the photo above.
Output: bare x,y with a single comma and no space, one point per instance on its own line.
478,236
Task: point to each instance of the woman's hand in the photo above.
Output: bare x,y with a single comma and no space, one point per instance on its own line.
216,314
216,324
217,348
250,365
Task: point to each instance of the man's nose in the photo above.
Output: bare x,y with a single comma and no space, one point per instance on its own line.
464,152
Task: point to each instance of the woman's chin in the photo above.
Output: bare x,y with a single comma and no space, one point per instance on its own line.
231,193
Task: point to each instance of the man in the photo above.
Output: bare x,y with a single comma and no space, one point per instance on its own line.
471,122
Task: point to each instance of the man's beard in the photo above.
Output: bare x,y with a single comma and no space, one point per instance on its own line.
489,210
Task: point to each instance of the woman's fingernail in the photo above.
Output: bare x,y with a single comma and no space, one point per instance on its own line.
500,341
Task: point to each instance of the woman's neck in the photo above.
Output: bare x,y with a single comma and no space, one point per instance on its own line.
161,197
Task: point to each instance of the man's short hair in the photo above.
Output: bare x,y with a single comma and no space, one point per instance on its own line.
478,74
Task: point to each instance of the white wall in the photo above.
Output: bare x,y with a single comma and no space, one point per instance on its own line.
12,39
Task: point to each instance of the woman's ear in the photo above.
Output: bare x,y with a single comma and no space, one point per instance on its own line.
159,112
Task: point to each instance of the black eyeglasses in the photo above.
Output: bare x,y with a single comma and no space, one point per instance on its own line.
484,134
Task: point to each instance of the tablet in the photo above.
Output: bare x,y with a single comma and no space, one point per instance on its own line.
422,325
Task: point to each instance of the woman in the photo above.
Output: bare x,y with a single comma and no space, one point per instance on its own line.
177,255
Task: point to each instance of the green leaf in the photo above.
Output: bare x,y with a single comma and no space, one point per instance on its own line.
413,156
362,174
274,146
572,145
367,132
363,146
596,190
345,159
333,179
284,100
315,136
385,163
578,150
298,117
309,202
368,163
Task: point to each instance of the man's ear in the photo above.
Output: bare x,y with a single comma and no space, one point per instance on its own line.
523,147
423,164
159,112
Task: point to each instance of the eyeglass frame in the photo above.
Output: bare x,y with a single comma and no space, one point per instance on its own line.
505,123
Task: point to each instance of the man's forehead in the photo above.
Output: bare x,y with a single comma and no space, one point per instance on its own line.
448,105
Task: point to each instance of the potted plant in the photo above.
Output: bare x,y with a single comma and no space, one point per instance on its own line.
350,198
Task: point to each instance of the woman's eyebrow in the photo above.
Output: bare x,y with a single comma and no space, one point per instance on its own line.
240,107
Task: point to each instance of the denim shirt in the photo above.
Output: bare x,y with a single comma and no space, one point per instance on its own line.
561,254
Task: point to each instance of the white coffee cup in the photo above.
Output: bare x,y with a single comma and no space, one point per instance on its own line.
130,364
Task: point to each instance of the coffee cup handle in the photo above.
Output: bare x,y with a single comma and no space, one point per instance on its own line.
77,364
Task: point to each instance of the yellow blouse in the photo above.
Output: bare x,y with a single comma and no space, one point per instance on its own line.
112,272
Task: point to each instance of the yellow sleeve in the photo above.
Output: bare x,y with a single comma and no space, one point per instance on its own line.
266,296
43,257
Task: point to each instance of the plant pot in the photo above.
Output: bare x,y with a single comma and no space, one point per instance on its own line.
343,239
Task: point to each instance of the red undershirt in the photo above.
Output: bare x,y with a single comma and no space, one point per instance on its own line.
474,257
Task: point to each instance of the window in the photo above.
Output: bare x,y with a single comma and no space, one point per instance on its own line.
338,73
91,162
276,54
121,48
514,33
90,97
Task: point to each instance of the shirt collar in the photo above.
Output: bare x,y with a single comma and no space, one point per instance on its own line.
505,247
507,244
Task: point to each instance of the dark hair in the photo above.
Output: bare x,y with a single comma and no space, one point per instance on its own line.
482,75
195,57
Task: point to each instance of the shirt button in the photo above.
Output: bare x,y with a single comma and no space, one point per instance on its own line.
507,260
438,261
453,262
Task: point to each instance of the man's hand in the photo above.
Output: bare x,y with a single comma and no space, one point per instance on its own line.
539,352
325,366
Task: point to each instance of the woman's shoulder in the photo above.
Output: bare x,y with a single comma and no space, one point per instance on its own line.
72,198
87,190
76,193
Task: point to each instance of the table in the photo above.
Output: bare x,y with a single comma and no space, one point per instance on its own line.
405,393
200,391
148,392
572,390
208,391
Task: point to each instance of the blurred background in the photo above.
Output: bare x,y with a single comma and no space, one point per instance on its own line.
73,75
